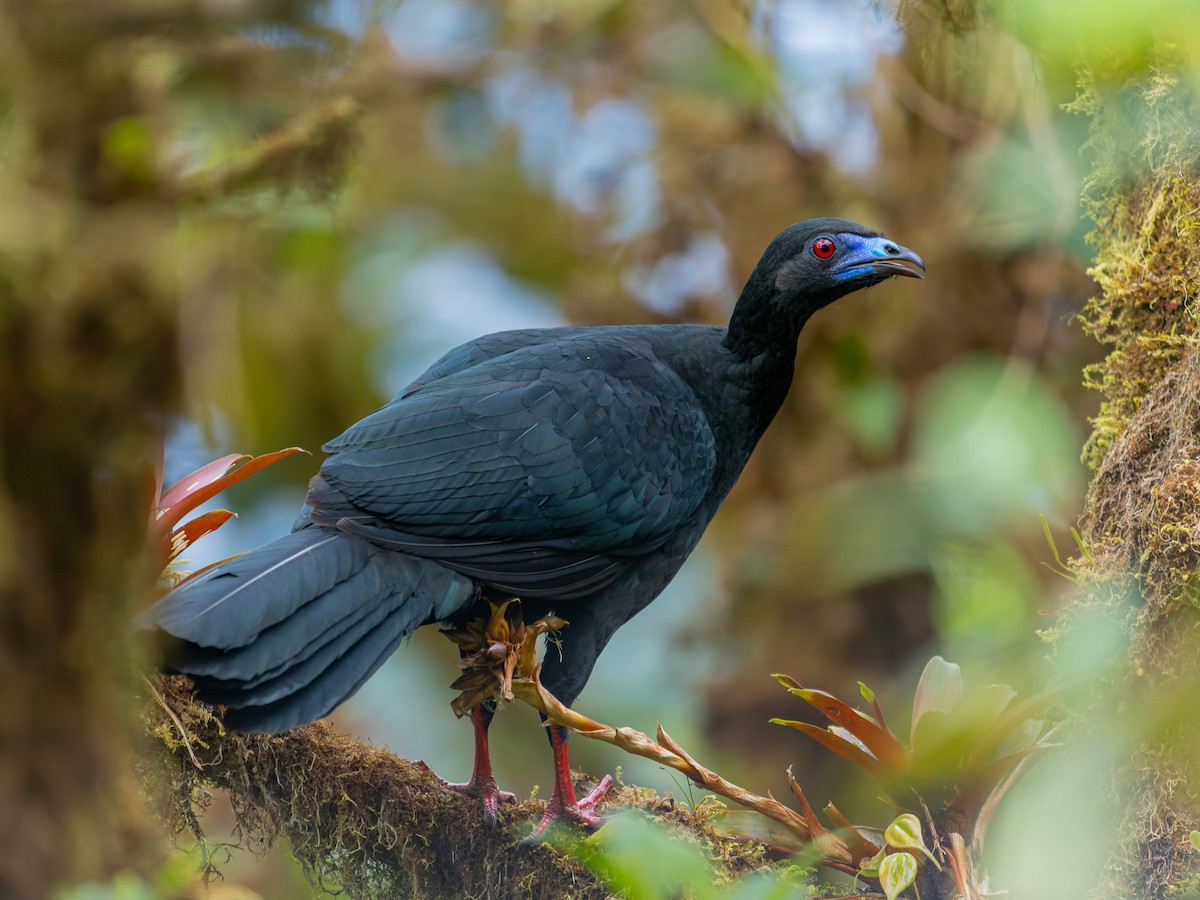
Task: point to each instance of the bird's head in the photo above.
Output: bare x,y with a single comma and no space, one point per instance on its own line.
808,266
828,258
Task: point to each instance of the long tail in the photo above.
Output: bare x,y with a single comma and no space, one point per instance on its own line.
285,633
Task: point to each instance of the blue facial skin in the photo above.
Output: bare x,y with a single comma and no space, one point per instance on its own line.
857,247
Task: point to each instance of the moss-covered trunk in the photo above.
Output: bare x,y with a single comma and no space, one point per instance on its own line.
1142,519
87,370
90,373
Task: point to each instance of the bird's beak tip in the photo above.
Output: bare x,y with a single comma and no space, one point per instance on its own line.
907,267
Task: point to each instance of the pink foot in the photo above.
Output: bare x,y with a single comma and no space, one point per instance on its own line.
577,811
484,788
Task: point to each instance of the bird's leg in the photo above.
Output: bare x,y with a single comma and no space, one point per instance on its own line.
483,781
563,804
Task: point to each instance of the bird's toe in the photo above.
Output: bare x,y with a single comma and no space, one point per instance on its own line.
598,793
484,789
580,812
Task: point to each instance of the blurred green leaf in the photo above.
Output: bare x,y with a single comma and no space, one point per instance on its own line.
176,875
645,861
790,884
939,690
1113,37
1021,192
897,872
993,445
129,143
986,592
123,886
943,740
872,410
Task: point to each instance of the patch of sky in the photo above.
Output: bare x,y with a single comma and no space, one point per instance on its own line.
461,128
701,269
342,19
826,52
441,35
429,297
350,17
598,161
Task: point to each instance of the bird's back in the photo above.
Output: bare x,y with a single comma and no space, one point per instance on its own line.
540,463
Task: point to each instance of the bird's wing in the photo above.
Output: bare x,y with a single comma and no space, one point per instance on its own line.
567,455
489,346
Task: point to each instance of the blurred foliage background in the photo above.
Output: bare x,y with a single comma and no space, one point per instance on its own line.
240,226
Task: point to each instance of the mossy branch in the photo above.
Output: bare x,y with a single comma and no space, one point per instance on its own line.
366,822
310,151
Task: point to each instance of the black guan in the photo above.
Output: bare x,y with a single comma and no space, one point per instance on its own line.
573,468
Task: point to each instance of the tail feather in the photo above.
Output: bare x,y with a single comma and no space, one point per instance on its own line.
286,633
292,641
229,606
329,688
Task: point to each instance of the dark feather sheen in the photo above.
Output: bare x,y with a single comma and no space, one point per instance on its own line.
575,468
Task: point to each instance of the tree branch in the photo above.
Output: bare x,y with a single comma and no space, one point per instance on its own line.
364,821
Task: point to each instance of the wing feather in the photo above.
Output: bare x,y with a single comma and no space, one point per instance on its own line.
548,466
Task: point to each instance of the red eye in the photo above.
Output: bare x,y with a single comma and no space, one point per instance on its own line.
823,248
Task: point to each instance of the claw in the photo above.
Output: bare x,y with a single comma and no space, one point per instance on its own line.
483,782
577,811
484,788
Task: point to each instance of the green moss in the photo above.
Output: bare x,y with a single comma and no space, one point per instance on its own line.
361,821
1142,516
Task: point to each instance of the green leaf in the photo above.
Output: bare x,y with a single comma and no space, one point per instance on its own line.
870,868
1063,569
787,681
896,873
1194,838
872,410
939,690
1013,726
129,143
905,834
867,693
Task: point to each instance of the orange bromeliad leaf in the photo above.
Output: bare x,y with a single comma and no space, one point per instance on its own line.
202,477
878,739
839,745
187,534
205,483
860,845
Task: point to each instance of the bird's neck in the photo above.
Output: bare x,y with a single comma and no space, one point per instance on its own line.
762,337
